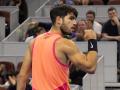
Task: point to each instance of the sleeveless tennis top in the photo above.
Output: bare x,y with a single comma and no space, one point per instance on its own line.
48,73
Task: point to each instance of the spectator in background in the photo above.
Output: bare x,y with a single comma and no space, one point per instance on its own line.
31,26
46,25
83,2
23,13
74,2
81,26
97,27
29,32
3,73
12,79
69,2
111,29
23,9
38,30
60,2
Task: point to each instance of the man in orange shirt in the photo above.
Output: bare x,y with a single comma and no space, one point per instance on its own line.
49,54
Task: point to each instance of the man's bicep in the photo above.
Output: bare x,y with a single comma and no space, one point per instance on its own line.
74,54
77,57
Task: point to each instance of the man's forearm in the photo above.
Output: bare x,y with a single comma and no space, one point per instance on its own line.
106,37
92,56
21,83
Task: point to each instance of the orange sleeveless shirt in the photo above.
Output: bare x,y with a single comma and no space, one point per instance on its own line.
48,73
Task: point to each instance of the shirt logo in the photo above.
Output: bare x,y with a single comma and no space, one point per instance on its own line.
91,45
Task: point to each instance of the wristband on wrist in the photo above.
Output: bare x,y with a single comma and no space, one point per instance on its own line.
92,45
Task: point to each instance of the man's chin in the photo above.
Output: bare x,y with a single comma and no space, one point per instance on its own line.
68,33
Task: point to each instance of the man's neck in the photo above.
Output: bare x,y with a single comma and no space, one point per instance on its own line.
55,29
113,23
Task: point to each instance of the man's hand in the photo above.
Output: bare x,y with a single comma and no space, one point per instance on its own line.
117,38
116,20
12,80
89,34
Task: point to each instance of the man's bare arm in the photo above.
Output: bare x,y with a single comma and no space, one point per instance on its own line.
86,62
107,37
117,22
25,69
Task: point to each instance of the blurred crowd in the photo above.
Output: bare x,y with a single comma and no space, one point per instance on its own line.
8,76
88,2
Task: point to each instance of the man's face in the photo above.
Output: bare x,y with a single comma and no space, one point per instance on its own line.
68,23
112,13
89,24
90,17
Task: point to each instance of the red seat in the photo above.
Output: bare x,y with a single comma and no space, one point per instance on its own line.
114,2
9,66
6,15
98,2
1,88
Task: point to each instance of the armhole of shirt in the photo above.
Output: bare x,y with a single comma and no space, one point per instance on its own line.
57,59
32,46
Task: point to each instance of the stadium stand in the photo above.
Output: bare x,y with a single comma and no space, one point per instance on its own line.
100,10
6,15
33,5
11,14
95,81
2,28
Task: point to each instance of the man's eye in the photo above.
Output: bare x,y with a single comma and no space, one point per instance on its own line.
72,18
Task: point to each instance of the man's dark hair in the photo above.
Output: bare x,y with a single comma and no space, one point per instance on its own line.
62,11
111,9
90,12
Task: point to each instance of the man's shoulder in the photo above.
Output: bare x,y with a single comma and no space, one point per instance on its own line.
65,45
97,24
108,22
64,41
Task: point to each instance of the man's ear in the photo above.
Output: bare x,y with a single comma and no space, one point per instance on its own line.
59,20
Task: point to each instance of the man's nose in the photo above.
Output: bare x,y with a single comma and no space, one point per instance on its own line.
75,22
